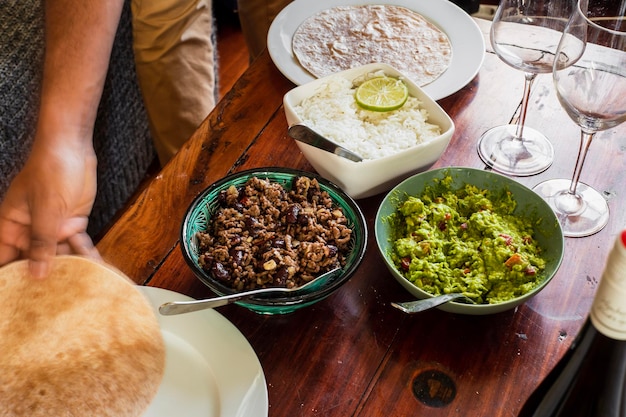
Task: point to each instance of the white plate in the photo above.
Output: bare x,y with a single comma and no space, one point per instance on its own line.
468,45
210,370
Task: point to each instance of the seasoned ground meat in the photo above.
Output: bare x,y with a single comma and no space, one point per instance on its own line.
266,236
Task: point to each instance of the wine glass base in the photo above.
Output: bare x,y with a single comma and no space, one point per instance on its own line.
588,217
503,152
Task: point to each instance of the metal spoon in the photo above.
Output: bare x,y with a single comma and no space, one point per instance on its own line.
305,134
411,307
179,307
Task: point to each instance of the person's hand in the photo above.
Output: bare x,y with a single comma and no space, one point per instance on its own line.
46,208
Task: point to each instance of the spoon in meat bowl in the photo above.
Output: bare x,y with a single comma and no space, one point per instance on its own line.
411,307
180,307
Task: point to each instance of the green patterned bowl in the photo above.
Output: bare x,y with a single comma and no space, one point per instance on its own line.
205,205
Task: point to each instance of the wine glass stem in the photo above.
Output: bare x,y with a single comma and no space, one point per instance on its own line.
585,141
528,83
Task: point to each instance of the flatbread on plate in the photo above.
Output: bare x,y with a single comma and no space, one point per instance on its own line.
82,342
345,37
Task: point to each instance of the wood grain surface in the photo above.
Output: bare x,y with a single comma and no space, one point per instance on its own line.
353,354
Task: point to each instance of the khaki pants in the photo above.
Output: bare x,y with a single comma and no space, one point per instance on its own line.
175,60
256,16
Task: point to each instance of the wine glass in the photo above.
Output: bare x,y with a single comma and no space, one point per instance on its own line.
590,79
524,34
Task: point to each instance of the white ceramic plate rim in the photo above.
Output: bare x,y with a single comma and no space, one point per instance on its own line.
236,373
468,45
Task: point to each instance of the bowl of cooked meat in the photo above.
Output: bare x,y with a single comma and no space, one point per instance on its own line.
273,227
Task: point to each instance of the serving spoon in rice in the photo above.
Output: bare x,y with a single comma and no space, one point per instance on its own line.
305,134
180,307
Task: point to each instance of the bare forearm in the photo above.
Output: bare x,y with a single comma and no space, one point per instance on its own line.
45,210
79,39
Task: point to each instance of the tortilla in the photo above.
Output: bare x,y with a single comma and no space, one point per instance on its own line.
345,37
82,342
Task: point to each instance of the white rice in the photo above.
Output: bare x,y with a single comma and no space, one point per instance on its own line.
334,113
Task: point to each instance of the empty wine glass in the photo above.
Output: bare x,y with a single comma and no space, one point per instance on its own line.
524,34
590,79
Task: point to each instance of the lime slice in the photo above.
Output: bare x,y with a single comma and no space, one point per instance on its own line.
382,94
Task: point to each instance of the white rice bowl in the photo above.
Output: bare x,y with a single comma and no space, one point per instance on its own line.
334,113
394,144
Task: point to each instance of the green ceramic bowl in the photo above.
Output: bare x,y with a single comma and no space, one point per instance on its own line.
529,205
205,205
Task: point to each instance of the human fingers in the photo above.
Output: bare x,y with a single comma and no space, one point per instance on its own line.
82,244
8,253
43,239
14,238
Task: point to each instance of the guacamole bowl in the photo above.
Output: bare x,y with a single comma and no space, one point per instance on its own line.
471,231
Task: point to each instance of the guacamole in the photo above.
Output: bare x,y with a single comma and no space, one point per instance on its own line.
467,241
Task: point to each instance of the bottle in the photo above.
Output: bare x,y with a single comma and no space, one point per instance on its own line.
590,379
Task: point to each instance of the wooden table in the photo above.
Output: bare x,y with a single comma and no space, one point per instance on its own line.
353,354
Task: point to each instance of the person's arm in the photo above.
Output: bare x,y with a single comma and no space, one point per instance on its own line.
46,208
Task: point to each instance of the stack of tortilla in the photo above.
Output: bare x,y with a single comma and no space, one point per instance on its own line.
82,342
345,37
